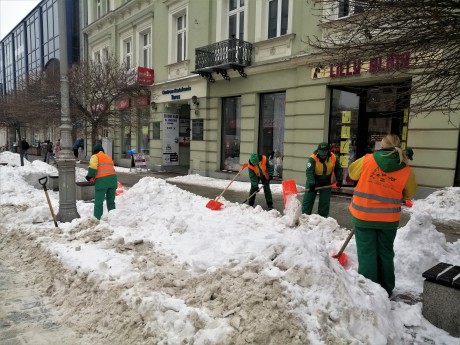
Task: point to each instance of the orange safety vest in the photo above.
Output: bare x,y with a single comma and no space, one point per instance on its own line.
378,194
330,165
263,165
105,166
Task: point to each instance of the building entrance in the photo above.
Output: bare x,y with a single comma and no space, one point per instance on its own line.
361,117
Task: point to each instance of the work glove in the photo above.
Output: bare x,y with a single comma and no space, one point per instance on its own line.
312,188
339,184
88,178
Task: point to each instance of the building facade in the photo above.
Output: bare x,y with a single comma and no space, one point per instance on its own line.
33,45
232,77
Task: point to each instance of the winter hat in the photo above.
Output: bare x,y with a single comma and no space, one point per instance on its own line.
254,158
97,148
323,148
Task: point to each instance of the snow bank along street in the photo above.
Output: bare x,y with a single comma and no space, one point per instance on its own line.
164,269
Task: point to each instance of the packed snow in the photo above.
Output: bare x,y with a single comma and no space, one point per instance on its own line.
172,271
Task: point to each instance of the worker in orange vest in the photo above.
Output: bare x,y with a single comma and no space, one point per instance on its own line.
320,167
260,170
102,170
384,181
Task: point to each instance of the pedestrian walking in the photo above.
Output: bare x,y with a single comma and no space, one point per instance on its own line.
78,145
384,181
260,170
57,148
24,148
102,170
48,150
321,165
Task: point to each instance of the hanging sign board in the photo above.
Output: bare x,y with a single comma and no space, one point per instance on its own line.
171,139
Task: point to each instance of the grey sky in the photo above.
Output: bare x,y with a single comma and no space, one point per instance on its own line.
12,12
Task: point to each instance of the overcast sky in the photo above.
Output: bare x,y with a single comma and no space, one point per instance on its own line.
12,12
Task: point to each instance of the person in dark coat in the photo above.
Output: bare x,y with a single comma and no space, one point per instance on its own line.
24,148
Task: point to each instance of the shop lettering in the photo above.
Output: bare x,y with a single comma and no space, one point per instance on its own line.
389,63
177,90
173,97
343,70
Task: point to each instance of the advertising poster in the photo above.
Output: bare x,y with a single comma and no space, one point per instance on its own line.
171,139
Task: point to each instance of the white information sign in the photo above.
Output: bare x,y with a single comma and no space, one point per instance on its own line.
171,139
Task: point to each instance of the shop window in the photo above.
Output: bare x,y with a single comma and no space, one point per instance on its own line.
231,130
271,138
143,138
126,131
344,128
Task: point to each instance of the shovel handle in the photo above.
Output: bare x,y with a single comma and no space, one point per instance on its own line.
239,172
45,179
249,197
345,243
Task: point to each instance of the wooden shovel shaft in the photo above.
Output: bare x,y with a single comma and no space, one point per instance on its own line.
239,172
249,197
345,243
51,208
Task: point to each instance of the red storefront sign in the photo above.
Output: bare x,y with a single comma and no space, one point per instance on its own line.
145,76
123,103
142,101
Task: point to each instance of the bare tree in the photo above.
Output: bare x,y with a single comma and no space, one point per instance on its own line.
414,39
94,89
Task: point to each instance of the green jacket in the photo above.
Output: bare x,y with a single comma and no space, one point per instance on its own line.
254,178
387,164
324,178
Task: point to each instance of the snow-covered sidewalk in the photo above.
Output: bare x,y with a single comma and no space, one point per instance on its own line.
164,269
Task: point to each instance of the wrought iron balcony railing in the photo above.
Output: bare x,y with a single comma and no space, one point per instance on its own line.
221,56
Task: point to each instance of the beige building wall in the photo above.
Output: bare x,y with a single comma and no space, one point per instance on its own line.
278,64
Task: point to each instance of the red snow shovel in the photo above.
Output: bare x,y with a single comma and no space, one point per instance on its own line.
341,256
216,205
289,188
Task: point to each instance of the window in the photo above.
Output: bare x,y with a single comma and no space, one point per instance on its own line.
102,8
231,133
97,57
271,143
146,48
105,54
128,53
278,11
181,40
143,137
348,7
236,19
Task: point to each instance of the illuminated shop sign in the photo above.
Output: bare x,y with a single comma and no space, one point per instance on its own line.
176,90
391,62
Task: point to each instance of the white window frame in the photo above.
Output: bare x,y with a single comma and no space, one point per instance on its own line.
222,27
128,52
333,13
145,49
102,7
279,16
181,33
176,10
97,56
105,54
236,12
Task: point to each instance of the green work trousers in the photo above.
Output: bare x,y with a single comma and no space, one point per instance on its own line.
267,192
375,256
323,204
100,194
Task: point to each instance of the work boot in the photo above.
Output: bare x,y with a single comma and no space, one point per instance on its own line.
251,204
270,207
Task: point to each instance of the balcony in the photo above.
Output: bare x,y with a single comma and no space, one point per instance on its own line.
219,57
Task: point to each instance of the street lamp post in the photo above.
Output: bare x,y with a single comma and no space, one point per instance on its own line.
66,161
